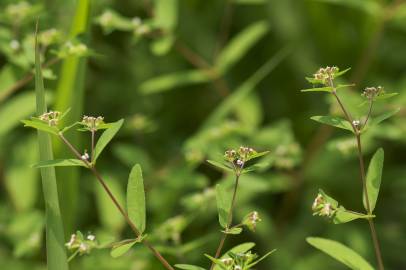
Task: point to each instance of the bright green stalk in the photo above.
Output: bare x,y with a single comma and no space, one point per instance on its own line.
70,93
56,256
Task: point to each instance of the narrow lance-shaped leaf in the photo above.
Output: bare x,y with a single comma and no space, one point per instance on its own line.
240,45
136,198
333,121
188,267
106,137
122,248
343,215
39,125
340,252
223,199
220,165
59,163
373,179
56,256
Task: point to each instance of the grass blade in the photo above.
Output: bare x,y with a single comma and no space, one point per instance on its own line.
56,256
70,94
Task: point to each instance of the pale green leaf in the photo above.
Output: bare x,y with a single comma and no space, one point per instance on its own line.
340,252
240,45
242,248
136,198
373,179
59,163
106,137
122,248
39,125
235,231
378,119
188,267
333,121
165,18
318,89
223,199
343,216
262,258
220,165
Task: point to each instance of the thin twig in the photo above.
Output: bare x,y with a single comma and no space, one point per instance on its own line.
98,176
229,221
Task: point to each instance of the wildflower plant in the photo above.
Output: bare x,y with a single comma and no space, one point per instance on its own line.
326,206
238,161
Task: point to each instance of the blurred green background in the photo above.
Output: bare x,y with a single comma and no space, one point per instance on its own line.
193,79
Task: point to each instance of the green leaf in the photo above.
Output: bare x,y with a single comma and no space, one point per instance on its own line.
220,165
245,89
188,267
344,86
223,199
235,231
165,18
342,216
333,121
329,199
378,119
340,73
371,7
242,248
136,198
39,125
319,89
340,252
59,163
257,155
122,248
106,137
174,80
262,258
373,179
55,242
240,45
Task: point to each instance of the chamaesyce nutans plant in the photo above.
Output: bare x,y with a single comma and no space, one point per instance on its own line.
238,162
324,205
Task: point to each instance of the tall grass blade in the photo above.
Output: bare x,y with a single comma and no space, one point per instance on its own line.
56,256
69,94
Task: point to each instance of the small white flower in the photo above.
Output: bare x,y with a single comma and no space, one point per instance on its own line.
356,123
240,162
71,241
83,248
136,21
91,237
85,156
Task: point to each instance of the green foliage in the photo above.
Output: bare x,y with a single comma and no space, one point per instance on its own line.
121,248
136,198
340,252
333,121
223,199
106,137
59,163
373,178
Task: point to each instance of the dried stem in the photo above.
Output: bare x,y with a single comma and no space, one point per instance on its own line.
229,220
98,176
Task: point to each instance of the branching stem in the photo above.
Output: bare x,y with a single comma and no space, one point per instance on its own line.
357,133
98,176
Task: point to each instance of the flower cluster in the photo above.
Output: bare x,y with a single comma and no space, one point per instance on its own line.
322,207
238,261
81,245
240,156
92,123
51,117
251,220
372,92
324,74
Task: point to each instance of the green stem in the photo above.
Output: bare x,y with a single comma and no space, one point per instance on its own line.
357,133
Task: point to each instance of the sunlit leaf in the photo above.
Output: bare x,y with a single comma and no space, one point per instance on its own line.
262,258
59,163
340,252
318,89
221,166
333,121
122,248
39,125
343,216
188,267
236,230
